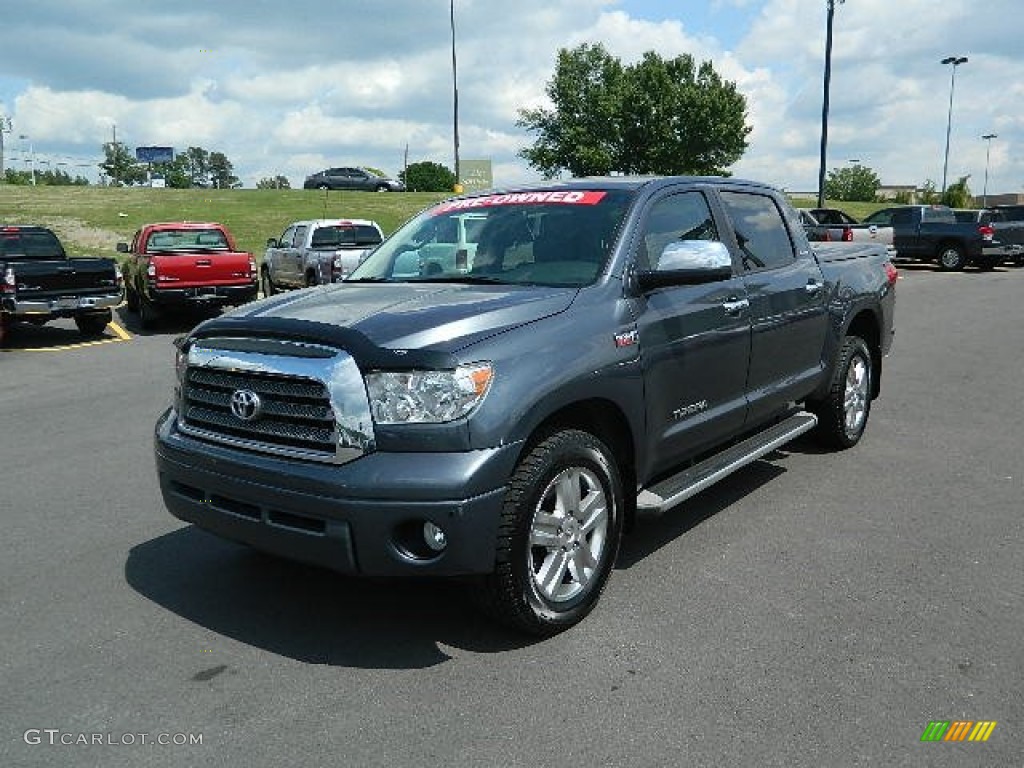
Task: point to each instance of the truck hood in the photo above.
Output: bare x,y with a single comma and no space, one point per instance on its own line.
413,315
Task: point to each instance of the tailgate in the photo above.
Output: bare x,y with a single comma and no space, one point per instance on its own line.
193,269
70,277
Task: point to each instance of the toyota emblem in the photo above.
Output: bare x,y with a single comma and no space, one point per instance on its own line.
246,405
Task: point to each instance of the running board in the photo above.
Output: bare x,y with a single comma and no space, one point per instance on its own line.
691,481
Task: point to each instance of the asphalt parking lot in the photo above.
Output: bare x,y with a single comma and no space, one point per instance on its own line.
814,609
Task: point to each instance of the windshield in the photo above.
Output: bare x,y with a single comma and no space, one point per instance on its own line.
550,237
169,240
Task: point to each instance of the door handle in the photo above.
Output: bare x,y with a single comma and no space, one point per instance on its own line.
813,287
735,307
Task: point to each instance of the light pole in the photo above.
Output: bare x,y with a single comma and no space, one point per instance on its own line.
5,127
455,98
988,148
956,61
31,156
831,8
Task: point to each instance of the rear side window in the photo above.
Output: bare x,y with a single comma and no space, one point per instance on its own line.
760,230
944,215
30,245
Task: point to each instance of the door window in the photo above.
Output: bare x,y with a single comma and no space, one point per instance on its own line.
684,216
760,230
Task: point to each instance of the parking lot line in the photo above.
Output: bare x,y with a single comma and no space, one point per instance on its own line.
119,332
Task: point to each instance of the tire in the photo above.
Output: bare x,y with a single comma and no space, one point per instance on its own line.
131,298
553,559
93,324
267,284
148,314
951,257
311,279
843,414
383,188
5,330
324,187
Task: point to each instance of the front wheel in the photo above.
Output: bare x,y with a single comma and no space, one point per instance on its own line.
269,289
843,414
558,536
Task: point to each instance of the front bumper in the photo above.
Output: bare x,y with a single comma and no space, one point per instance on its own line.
365,517
60,306
203,295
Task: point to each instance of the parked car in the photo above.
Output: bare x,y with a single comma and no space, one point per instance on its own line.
174,265
363,179
932,233
39,282
1007,236
619,345
835,225
316,251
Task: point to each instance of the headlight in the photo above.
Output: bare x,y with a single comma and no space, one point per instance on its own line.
427,397
180,359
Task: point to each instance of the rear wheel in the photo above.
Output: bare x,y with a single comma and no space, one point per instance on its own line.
93,324
951,257
131,298
843,414
148,314
5,330
324,187
311,279
558,536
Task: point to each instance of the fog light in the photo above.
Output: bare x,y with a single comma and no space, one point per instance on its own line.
434,537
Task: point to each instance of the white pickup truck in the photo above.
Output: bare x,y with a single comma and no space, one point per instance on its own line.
316,251
834,225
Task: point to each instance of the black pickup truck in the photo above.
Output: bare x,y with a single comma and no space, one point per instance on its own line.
610,347
38,282
932,233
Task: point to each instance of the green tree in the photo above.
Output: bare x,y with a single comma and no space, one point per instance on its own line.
656,116
426,176
278,182
929,193
197,161
856,183
958,195
120,165
222,172
177,173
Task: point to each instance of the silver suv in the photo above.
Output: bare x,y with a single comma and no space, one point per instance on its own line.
316,251
352,178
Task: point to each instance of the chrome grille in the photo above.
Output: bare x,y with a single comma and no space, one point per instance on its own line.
296,413
312,400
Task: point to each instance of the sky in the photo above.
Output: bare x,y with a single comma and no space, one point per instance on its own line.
293,87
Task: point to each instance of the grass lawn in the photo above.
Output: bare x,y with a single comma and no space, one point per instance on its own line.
91,220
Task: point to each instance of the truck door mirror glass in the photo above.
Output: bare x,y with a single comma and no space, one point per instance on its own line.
688,262
271,242
122,247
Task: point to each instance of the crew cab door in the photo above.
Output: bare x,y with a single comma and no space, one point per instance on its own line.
694,341
786,290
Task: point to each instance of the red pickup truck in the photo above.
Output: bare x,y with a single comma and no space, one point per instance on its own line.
178,265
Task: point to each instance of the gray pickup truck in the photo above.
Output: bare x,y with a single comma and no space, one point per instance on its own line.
611,347
315,252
